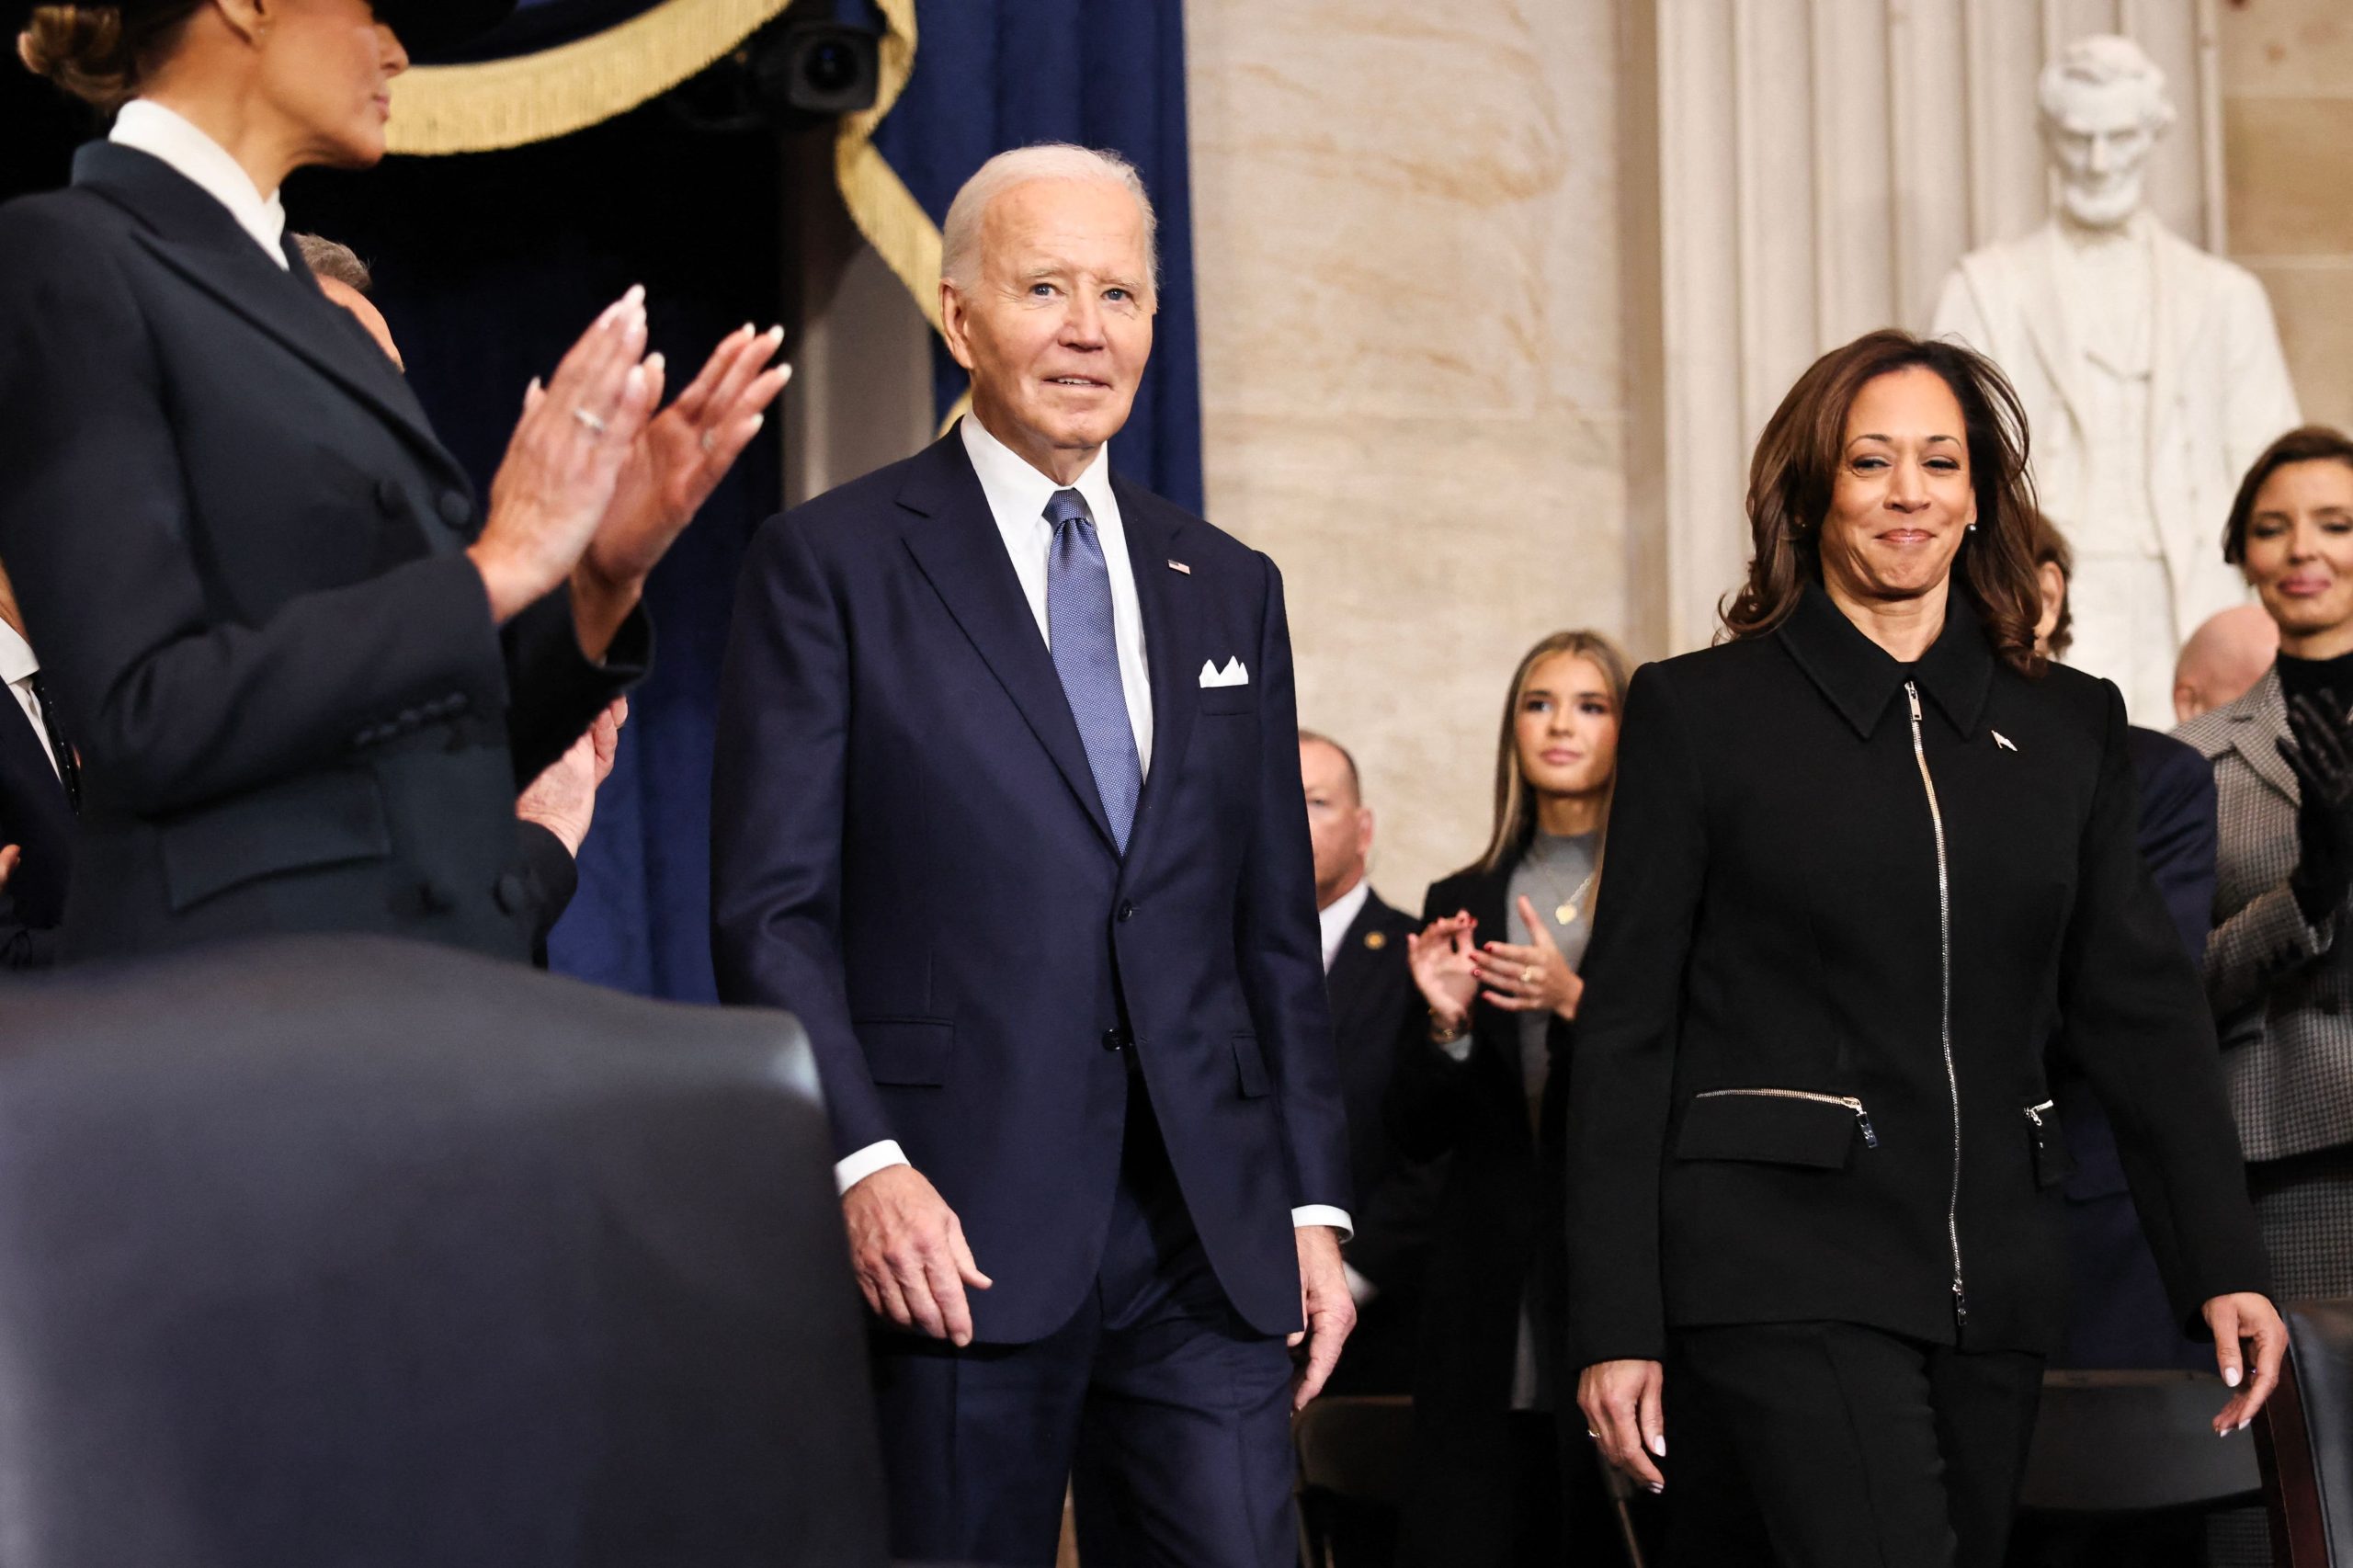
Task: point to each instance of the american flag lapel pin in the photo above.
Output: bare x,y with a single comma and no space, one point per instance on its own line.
1180,566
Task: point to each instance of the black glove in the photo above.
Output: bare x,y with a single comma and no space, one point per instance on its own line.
2320,751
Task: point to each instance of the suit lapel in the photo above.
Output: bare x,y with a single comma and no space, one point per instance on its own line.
1171,639
2255,735
962,554
194,236
2047,322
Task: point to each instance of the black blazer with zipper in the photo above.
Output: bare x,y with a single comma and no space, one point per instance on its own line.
239,548
1850,904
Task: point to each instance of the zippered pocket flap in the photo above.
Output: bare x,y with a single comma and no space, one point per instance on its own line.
2052,1162
1817,1132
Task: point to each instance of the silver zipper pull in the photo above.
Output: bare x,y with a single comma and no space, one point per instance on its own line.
1871,1138
1913,694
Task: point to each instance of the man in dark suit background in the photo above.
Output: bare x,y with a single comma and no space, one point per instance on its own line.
1004,808
40,789
1372,995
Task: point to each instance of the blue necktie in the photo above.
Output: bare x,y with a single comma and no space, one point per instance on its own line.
1086,656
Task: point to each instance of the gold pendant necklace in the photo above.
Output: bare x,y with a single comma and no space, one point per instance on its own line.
1566,912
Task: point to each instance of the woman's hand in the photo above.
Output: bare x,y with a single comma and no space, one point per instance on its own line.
1440,959
672,469
2246,1316
9,854
1625,1415
1532,978
2319,748
556,481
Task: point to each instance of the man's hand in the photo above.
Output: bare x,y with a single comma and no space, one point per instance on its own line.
906,1247
1625,1413
562,798
2246,1316
9,854
1324,1302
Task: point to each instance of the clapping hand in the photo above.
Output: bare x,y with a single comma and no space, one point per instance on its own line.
2321,753
672,468
1530,978
555,485
562,798
1440,959
9,854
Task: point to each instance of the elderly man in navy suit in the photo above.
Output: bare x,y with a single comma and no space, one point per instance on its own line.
1005,809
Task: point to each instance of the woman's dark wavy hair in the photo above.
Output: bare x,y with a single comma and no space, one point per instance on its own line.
2306,444
1797,464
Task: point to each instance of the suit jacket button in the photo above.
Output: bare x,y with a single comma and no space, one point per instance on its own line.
456,510
513,892
1127,910
1115,1040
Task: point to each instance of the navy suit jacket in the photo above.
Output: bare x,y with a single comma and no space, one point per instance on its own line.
908,851
35,817
2119,1316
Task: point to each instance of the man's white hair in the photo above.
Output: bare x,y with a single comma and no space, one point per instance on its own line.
959,238
2100,61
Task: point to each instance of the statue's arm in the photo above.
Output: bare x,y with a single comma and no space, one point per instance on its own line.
2261,398
1958,315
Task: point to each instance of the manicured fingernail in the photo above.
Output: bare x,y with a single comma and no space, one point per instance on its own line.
1656,1487
2231,1376
2244,1425
656,362
636,295
747,329
1658,1445
777,332
787,377
635,381
758,420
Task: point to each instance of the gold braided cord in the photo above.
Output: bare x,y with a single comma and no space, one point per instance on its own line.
533,97
885,210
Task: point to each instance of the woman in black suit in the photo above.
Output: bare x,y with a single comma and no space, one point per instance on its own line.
1476,1080
1886,852
304,671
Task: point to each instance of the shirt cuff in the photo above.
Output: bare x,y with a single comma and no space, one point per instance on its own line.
1459,1048
849,1173
1320,1214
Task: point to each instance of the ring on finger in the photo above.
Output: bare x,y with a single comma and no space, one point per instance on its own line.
1528,975
592,423
709,441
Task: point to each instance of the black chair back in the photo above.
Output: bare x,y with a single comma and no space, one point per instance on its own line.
2305,1437
2131,1442
346,1252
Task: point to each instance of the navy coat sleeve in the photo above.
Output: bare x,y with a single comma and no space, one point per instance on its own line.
778,794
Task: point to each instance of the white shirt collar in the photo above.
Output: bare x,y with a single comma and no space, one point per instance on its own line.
1338,916
16,661
1014,488
148,127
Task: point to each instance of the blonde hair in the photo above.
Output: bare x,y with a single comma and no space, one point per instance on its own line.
1515,802
959,236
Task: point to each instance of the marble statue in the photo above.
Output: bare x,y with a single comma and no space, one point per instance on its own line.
2151,374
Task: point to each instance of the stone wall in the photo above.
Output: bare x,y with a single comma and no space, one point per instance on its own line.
1405,245
2287,121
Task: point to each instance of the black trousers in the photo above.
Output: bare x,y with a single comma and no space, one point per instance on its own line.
1169,1415
1826,1445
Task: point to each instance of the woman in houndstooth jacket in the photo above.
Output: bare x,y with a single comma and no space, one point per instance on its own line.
2278,973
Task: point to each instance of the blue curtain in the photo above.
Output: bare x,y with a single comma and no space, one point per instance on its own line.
488,263
992,74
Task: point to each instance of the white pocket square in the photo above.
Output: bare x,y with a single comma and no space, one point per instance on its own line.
1233,675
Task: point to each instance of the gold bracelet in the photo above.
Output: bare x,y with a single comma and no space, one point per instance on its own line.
1442,1033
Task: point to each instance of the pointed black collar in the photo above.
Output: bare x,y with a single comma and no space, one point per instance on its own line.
1861,678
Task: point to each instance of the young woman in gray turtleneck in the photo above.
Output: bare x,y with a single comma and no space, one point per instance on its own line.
1496,971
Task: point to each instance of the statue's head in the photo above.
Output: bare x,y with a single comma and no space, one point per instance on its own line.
2104,105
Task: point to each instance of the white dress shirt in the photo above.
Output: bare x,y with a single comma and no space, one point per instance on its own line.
1336,917
148,127
1018,495
17,667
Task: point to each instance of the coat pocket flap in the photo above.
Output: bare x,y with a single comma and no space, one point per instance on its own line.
1769,1129
906,1050
318,819
1251,1062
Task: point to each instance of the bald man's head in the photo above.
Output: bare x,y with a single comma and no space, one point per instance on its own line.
2223,659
